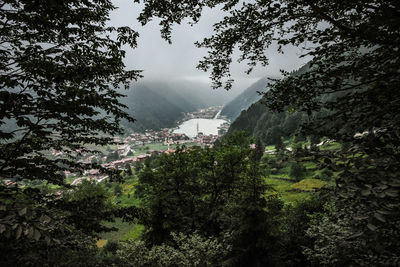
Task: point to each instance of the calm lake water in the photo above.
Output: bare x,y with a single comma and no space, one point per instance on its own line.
206,126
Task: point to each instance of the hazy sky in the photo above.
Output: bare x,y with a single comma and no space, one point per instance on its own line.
163,61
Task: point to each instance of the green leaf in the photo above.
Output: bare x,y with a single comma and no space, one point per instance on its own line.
366,192
2,228
372,227
36,235
355,235
31,232
19,232
380,217
47,239
392,192
22,212
45,219
359,218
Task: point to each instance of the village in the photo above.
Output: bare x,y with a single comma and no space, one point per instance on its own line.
135,147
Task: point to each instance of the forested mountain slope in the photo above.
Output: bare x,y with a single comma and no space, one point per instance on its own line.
245,99
266,125
154,109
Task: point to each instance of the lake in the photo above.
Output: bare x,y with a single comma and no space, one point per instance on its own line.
206,126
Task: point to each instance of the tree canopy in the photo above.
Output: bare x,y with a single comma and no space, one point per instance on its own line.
349,93
61,66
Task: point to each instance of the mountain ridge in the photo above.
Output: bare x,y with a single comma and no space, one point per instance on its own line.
244,100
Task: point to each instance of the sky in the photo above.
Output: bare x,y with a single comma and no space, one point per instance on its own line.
177,61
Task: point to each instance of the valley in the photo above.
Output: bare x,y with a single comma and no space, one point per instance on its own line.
199,133
198,128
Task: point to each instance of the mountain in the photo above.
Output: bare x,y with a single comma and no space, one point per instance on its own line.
266,125
198,92
154,107
157,104
244,100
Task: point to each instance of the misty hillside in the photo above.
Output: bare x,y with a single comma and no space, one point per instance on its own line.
202,94
244,100
157,105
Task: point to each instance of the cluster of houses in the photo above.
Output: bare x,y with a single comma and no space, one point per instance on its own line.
205,113
121,164
122,155
150,136
205,140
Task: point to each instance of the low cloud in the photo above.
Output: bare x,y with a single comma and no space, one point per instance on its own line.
162,61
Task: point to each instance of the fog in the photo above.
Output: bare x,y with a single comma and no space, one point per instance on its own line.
161,61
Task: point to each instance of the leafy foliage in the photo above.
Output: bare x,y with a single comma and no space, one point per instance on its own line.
189,250
212,192
349,93
297,171
52,229
60,67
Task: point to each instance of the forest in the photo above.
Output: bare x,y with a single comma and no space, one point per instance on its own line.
308,176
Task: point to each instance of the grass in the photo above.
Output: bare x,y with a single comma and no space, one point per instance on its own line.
292,191
279,185
123,229
134,233
283,188
308,184
309,165
127,198
331,146
295,197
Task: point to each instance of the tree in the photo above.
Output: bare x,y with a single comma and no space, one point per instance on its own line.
112,156
117,189
279,145
350,88
128,170
297,171
212,192
61,68
258,150
187,250
53,229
